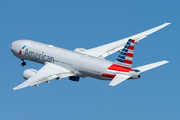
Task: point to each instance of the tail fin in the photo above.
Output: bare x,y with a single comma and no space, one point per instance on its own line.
126,55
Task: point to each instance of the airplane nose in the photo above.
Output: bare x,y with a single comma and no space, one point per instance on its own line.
10,47
13,48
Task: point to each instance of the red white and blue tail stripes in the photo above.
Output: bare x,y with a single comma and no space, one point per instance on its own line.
124,61
126,55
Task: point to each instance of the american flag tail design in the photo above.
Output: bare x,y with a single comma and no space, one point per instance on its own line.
125,57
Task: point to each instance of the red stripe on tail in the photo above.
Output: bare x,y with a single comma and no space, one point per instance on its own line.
119,68
127,61
133,41
131,47
129,54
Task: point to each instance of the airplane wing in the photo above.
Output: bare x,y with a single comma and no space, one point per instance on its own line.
149,66
108,49
47,72
118,79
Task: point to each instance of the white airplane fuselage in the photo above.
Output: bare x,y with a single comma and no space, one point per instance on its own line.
61,63
80,64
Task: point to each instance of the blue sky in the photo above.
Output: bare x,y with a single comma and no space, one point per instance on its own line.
70,24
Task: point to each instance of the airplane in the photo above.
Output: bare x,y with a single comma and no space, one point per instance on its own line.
60,63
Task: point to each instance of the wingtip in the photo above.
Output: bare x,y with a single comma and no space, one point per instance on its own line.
111,84
12,89
167,23
165,61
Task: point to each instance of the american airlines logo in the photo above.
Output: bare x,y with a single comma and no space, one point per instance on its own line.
20,52
39,56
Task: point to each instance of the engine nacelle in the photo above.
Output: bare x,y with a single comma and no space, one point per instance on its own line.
74,78
29,73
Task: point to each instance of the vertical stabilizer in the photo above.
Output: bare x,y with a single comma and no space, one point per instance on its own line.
124,61
125,57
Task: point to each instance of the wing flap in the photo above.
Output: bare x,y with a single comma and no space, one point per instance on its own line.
118,79
47,72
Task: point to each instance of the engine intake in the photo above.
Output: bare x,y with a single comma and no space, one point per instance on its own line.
29,73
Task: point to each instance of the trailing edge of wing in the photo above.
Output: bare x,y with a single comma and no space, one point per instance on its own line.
47,72
118,79
149,66
108,49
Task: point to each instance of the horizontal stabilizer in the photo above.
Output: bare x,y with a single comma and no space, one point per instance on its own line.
118,79
149,66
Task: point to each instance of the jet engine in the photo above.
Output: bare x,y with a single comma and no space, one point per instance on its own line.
29,73
74,78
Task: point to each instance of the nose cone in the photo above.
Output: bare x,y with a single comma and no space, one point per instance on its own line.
18,46
15,47
10,46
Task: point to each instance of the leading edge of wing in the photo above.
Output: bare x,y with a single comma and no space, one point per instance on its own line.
47,72
108,49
